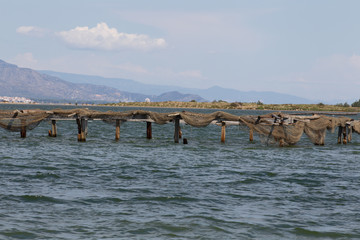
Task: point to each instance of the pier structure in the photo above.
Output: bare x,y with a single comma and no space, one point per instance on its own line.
285,129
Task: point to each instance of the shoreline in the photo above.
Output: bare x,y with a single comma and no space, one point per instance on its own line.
309,108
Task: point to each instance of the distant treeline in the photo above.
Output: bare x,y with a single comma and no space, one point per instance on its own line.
355,107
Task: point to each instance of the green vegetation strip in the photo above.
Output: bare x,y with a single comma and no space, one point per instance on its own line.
245,106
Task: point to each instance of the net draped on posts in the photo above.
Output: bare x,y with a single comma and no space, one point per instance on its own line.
274,127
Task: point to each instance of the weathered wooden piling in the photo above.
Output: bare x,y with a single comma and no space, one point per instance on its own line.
322,140
345,135
53,131
148,130
117,130
349,132
349,127
82,129
223,131
177,130
23,128
251,135
281,142
340,131
78,122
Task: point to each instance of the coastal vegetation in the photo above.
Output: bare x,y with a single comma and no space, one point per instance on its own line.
220,104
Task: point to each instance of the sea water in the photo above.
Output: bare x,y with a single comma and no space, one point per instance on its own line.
135,188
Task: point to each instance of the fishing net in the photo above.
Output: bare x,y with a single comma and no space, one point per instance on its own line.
316,129
19,120
282,134
272,127
356,127
203,120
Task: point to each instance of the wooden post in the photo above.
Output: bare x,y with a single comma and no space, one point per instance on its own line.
23,128
281,142
85,127
339,134
78,122
322,140
177,127
345,135
349,133
148,130
223,131
251,135
82,129
117,130
53,131
180,132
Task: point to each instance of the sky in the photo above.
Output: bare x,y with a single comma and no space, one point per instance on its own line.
306,48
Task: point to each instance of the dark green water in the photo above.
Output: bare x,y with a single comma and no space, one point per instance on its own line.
58,188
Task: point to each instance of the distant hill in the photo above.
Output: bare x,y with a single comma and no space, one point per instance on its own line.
213,93
118,83
232,95
24,82
174,95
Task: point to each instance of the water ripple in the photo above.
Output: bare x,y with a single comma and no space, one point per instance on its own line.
135,188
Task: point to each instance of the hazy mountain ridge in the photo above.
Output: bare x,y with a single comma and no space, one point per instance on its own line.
56,86
213,93
25,82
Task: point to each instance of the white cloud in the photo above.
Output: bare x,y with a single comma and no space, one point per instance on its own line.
31,31
105,38
212,31
355,61
25,60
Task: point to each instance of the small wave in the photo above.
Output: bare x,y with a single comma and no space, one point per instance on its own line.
243,181
216,219
45,175
141,231
270,174
50,168
40,198
234,172
19,234
126,177
312,233
243,197
166,199
102,200
304,181
172,228
219,229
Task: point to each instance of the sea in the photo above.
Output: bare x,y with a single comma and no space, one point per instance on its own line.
136,188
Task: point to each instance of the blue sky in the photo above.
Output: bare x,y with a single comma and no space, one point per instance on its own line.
309,49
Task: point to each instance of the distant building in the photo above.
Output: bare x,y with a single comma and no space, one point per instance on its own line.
147,100
15,99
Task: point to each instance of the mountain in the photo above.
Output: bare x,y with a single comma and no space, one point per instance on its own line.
118,83
24,82
213,93
174,95
232,95
56,86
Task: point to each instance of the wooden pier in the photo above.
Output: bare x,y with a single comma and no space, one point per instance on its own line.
285,129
